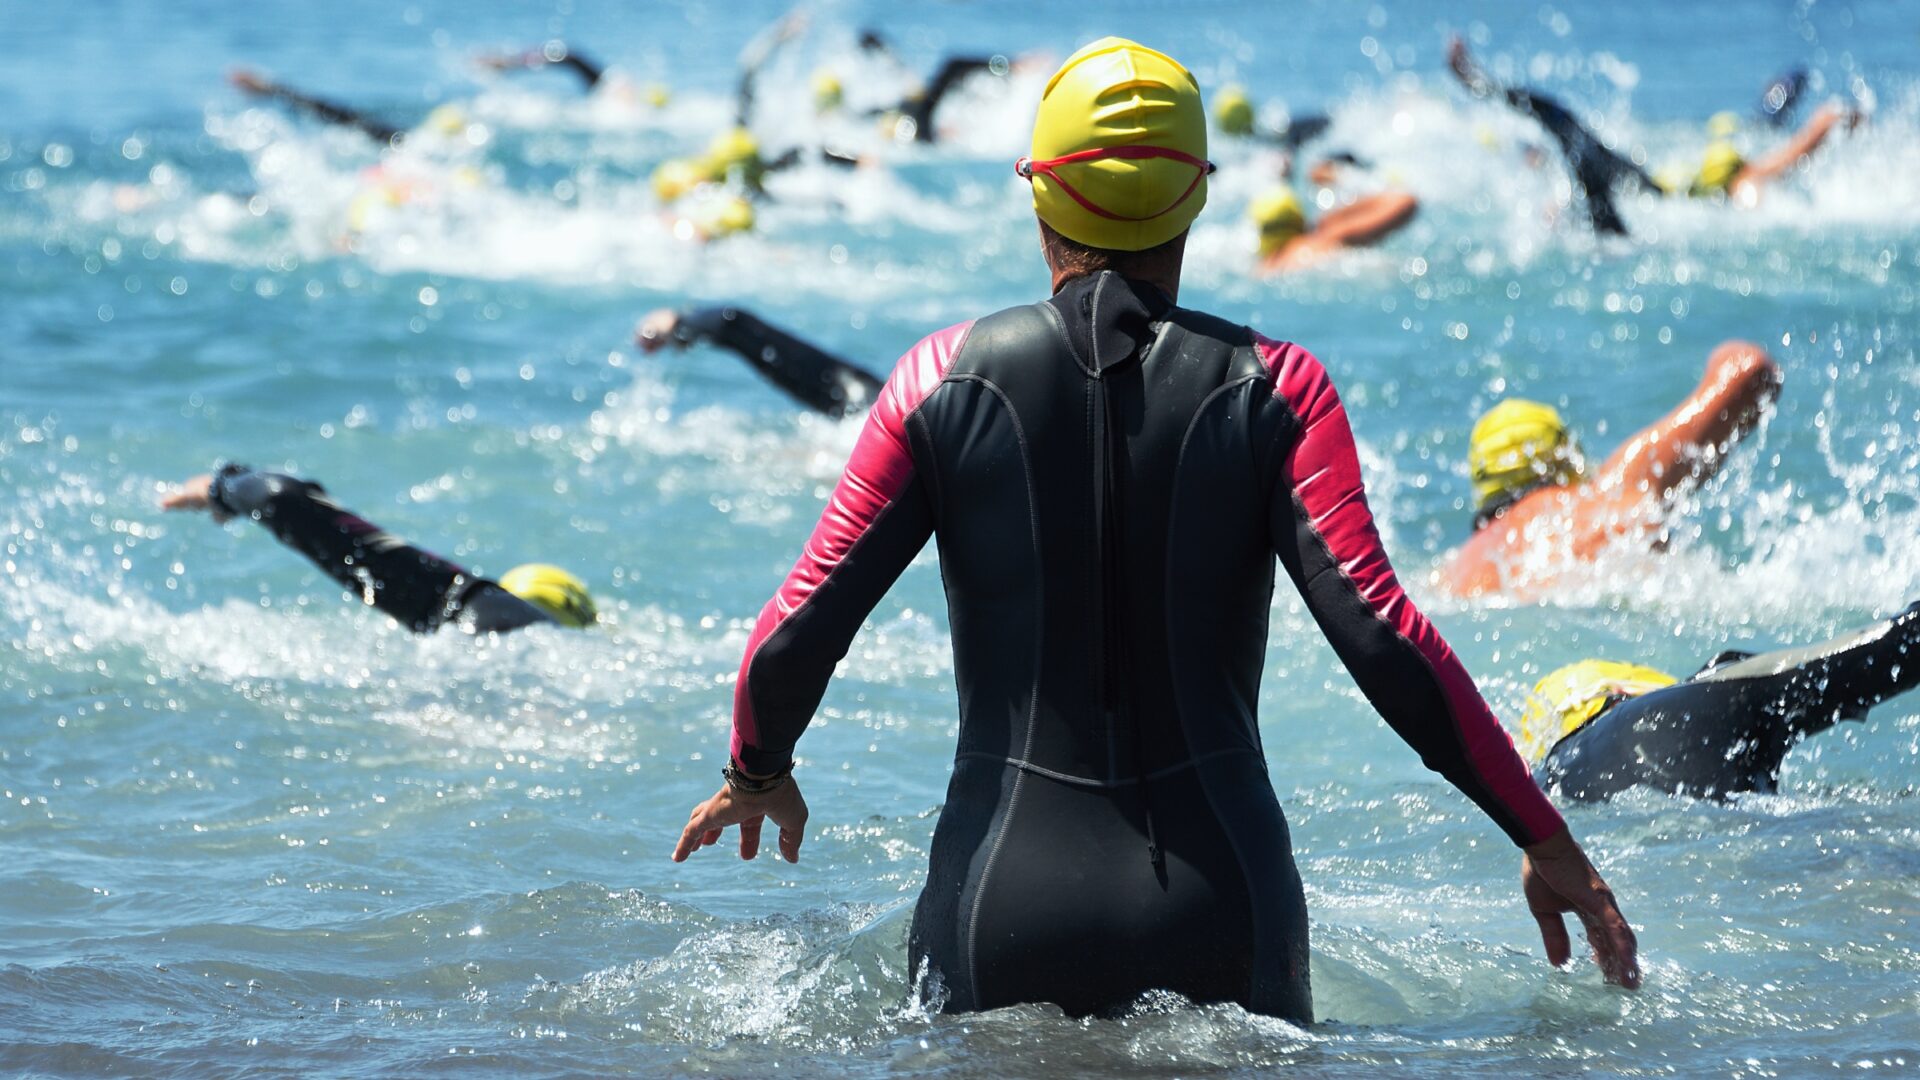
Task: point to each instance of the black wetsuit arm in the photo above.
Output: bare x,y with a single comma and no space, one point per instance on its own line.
418,589
588,71
1595,168
921,106
331,112
809,375
1325,536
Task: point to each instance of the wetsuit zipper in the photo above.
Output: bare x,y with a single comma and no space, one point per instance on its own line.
1111,659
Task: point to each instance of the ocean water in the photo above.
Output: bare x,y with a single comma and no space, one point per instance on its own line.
247,828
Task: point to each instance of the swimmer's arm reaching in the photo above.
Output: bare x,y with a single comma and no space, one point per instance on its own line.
809,375
877,519
413,586
1368,220
1804,142
253,84
952,72
555,54
1690,443
1325,536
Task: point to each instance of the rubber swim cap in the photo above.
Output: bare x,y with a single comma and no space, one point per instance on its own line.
724,216
1233,111
1517,445
1718,168
1722,125
733,150
553,591
827,91
1119,148
674,178
1568,698
448,120
1280,217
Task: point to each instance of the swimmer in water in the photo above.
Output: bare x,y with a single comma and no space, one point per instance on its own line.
595,79
911,118
1539,509
419,590
446,120
1597,168
809,375
1599,727
1110,478
1234,115
1288,243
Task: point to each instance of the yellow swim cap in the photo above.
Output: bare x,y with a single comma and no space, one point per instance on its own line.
553,591
1280,217
731,150
1517,445
1119,148
827,91
1718,168
674,178
658,95
723,217
1568,698
1233,111
1722,125
448,120
1672,179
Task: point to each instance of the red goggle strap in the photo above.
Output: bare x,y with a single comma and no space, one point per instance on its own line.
1027,167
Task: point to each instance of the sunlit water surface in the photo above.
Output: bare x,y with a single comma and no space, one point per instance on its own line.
247,828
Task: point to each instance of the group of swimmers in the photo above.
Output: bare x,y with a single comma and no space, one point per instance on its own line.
1102,563
713,193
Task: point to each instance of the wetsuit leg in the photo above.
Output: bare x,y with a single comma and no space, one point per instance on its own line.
1728,728
588,71
419,589
809,375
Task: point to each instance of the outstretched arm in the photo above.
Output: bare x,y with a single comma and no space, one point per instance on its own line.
1804,142
1325,536
554,54
1690,443
810,375
1369,220
415,587
952,72
251,83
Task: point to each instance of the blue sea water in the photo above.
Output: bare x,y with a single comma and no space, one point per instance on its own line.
249,829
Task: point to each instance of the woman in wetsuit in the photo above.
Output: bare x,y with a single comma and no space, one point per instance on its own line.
1724,730
419,589
809,375
1110,478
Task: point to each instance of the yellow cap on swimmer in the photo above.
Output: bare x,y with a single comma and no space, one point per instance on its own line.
448,120
827,91
1119,157
1722,125
1280,217
674,178
553,591
657,95
1568,698
1517,445
1233,111
1718,168
733,150
724,216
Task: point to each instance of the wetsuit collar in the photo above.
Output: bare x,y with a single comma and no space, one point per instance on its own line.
1108,317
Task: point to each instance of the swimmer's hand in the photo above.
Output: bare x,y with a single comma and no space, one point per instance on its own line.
194,494
657,329
249,82
784,806
1557,878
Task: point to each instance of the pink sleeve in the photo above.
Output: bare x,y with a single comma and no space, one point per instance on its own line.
1325,534
875,521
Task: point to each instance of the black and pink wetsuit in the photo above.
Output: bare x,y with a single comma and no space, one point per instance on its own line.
419,589
1109,478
